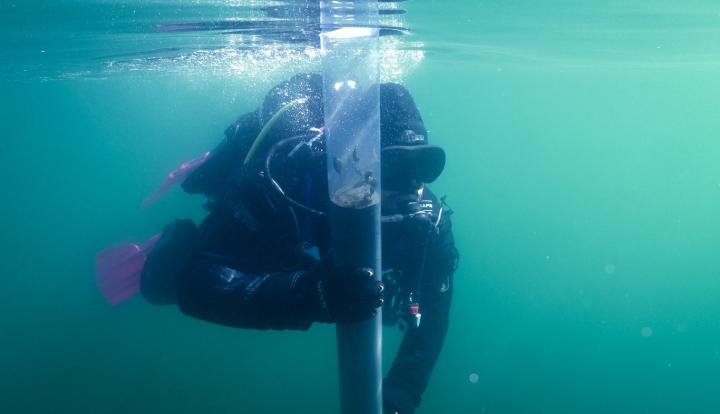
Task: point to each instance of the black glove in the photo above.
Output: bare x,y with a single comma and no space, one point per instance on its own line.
389,408
396,400
345,295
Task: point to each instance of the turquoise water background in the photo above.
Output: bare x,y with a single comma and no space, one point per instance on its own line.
583,150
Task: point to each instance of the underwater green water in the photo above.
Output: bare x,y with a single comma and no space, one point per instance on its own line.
583,150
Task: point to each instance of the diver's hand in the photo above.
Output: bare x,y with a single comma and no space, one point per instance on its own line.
347,295
396,400
389,408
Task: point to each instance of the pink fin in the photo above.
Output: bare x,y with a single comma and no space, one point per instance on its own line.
118,270
151,242
176,176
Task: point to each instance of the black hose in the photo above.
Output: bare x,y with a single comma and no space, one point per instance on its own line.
275,185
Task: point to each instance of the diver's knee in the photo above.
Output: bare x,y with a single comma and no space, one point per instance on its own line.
167,261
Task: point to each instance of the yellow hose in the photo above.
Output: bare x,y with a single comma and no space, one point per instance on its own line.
269,124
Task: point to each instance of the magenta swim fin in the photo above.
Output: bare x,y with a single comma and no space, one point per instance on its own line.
176,176
118,270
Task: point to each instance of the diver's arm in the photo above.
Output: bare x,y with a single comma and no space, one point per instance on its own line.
233,278
216,292
219,293
197,270
410,372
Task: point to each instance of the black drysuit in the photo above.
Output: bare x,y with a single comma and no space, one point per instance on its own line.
244,265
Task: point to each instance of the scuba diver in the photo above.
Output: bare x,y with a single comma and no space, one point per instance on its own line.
260,258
